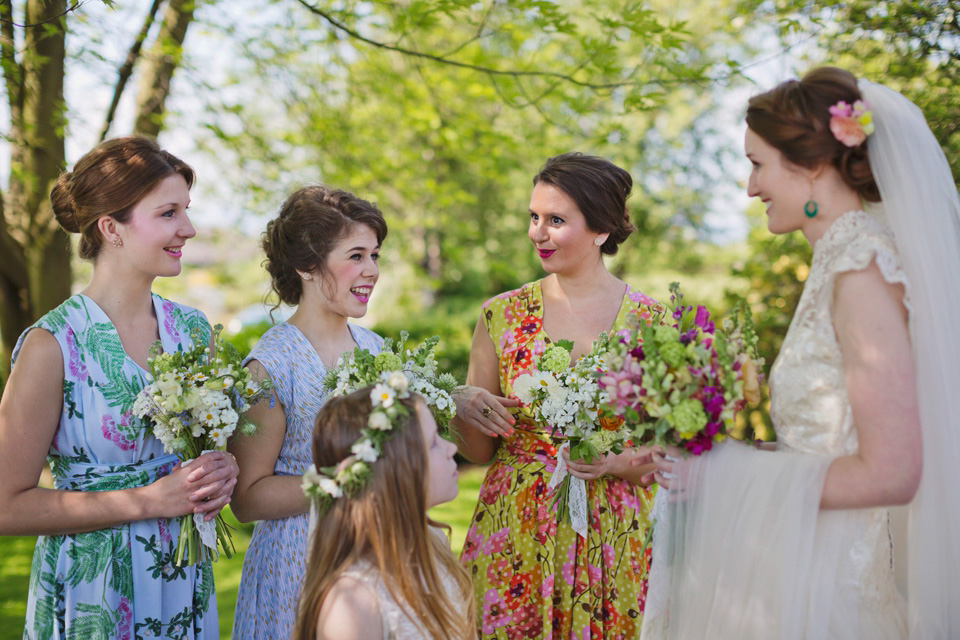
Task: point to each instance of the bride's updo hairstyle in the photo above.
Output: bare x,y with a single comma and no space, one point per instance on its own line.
385,523
110,180
794,118
310,224
600,190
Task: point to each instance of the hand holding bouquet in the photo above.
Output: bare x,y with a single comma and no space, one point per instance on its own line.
361,368
195,401
680,380
569,400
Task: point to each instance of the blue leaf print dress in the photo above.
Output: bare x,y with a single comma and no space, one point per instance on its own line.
120,582
276,561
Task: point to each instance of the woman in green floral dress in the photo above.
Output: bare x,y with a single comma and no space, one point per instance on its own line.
533,575
103,563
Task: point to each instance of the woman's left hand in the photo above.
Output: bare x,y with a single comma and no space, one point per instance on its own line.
218,470
615,464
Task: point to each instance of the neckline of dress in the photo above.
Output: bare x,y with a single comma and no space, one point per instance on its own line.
157,309
302,336
838,225
539,294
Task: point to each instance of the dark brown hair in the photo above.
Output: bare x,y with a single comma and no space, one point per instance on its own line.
794,118
110,180
385,523
310,224
600,190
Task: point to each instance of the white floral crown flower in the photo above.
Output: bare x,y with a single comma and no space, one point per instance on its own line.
350,475
851,124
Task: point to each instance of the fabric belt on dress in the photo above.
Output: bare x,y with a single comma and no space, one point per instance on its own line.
73,475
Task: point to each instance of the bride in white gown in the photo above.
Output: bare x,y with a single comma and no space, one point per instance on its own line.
797,543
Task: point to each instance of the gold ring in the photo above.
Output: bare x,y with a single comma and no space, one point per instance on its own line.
486,411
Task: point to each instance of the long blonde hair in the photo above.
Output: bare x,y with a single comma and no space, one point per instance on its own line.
386,524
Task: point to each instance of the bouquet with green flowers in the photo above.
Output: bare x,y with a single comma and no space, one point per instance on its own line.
362,368
569,400
681,380
194,401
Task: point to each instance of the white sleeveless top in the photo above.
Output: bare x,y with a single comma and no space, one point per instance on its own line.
397,622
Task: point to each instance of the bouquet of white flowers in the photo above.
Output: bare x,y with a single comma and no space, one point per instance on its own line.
361,368
194,402
569,400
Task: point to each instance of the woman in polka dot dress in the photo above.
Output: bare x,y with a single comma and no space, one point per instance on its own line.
533,575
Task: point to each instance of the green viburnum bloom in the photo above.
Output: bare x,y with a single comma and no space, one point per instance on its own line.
688,418
665,334
386,361
673,354
555,359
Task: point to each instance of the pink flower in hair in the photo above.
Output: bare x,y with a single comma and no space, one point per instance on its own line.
851,124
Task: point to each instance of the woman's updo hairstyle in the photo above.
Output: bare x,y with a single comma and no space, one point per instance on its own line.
600,190
794,118
310,224
110,180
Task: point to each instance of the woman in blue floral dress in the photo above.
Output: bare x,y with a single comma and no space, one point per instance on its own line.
103,563
322,251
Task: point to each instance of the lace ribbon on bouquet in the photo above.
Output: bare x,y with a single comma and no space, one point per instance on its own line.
577,498
206,528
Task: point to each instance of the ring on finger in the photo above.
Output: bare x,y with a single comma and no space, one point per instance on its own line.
486,411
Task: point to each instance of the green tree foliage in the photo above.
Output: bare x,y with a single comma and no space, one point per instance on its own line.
447,143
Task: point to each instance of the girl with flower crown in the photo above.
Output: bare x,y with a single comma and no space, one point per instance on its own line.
379,567
103,565
799,542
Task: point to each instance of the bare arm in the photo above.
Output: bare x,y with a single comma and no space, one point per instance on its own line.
635,465
475,444
29,417
261,495
871,326
350,612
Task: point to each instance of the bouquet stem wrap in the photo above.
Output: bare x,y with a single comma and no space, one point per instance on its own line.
572,494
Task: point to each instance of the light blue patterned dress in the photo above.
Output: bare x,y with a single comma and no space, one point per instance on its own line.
275,562
118,582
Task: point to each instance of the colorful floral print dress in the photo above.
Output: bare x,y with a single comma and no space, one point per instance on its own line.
118,582
533,576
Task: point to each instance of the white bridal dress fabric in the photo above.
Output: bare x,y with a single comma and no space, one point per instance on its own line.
741,549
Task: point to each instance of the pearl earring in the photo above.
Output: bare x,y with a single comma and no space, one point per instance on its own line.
598,241
118,242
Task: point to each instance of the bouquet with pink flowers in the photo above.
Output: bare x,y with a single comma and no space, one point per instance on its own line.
680,380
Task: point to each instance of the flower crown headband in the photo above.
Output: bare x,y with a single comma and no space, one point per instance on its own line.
350,475
851,124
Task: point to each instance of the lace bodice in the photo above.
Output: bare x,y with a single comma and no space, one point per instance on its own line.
397,624
809,405
810,408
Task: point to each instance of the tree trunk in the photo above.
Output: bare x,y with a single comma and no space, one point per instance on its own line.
159,65
35,272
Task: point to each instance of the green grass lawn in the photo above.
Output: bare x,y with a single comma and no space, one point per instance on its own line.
16,554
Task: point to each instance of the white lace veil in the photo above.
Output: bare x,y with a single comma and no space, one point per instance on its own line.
922,208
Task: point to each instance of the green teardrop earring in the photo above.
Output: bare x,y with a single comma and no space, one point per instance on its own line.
811,207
